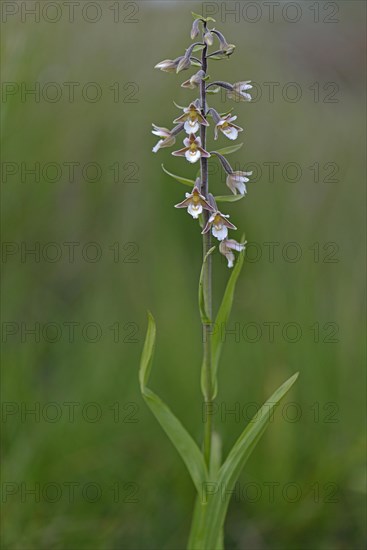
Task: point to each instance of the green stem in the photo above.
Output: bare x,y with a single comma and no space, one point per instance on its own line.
207,282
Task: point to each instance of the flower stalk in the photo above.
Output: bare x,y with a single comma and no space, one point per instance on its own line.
207,276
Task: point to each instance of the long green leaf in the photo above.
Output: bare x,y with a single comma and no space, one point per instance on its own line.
185,181
223,315
230,149
228,198
231,469
181,439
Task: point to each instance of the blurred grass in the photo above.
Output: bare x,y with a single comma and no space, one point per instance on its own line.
165,281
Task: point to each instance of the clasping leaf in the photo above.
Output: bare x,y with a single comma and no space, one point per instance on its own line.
228,475
181,439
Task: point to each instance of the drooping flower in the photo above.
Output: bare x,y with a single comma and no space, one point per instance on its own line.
227,246
237,180
219,225
225,125
169,136
192,118
195,202
194,81
169,65
192,150
238,92
168,140
225,48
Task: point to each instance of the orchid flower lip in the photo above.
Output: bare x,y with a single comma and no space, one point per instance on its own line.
193,150
218,223
195,203
192,118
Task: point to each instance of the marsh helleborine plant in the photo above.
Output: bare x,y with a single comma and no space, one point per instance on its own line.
213,478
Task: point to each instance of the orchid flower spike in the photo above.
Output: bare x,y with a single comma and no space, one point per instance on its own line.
192,150
195,118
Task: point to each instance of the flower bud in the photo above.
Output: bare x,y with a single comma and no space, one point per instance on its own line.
229,49
195,29
168,65
208,38
183,64
225,48
194,81
222,41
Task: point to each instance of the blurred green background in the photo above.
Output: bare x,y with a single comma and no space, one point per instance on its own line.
104,474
